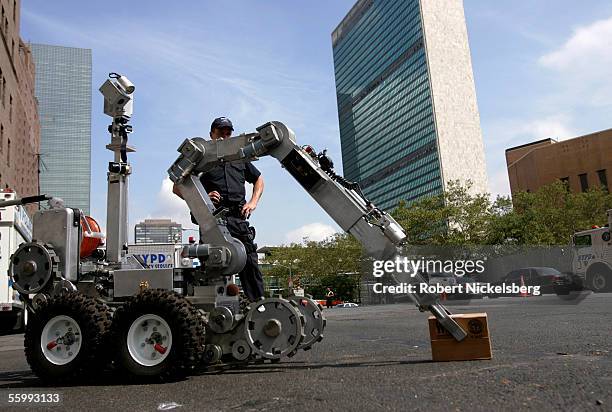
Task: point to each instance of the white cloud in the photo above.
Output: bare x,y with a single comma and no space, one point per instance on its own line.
577,74
507,133
553,126
171,206
499,184
583,64
252,96
312,231
589,46
185,78
167,206
504,133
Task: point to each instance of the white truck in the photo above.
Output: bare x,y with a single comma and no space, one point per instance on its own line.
592,257
15,228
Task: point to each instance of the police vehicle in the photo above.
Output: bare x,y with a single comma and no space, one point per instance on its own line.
592,257
15,229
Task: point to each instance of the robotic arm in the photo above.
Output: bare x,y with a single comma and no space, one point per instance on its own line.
378,232
224,255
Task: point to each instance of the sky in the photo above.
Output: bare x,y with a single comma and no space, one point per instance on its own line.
541,68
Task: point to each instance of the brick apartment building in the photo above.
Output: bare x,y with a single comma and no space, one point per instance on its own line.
19,122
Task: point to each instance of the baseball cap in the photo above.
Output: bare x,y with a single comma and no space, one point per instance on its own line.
220,122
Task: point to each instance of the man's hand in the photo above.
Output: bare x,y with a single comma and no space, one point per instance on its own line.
248,208
215,197
251,205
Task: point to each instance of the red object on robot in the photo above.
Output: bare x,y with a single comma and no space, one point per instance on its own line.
92,237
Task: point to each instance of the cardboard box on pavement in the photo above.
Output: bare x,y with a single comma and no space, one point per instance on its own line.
476,346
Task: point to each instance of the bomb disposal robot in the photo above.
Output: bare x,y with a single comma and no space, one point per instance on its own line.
90,305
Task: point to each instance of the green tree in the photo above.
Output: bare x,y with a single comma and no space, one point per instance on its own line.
548,216
552,214
313,264
455,217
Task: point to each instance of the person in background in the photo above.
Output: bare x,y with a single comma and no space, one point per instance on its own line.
329,298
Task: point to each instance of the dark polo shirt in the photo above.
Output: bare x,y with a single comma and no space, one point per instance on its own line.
228,179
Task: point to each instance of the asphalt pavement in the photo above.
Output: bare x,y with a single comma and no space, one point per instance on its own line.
548,354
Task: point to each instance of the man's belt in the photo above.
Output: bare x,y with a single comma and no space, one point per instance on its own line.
231,210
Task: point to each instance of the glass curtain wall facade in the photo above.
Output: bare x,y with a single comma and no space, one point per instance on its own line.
63,90
387,124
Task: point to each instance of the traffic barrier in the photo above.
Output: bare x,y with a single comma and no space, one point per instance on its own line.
523,292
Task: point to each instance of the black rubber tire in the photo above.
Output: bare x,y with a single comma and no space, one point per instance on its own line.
188,332
607,287
94,320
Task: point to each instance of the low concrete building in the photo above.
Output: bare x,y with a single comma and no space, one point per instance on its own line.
158,231
583,162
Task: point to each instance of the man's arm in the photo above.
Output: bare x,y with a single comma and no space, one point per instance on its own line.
251,205
215,197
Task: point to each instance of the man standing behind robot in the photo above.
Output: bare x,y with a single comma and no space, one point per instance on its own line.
225,185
